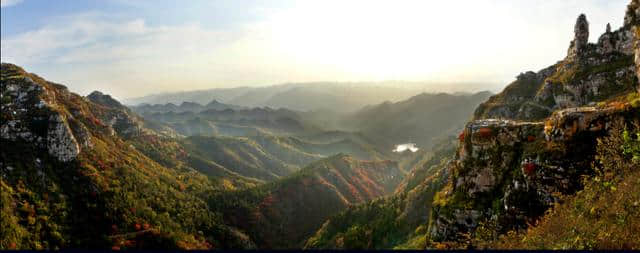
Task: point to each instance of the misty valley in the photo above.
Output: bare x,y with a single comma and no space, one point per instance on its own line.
551,161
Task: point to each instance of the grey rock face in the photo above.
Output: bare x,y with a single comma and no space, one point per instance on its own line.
637,58
118,118
633,18
581,37
33,117
60,141
518,166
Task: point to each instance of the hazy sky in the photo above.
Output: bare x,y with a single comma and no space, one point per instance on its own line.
130,48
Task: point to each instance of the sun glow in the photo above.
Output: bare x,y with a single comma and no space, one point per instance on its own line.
386,40
479,41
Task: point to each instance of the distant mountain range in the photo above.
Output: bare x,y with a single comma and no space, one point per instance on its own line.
183,107
422,119
551,162
338,97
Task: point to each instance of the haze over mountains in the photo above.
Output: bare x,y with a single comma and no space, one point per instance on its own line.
338,97
550,162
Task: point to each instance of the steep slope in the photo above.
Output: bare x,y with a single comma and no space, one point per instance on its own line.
589,74
70,165
262,156
246,157
394,221
285,145
324,145
508,173
284,213
603,215
422,119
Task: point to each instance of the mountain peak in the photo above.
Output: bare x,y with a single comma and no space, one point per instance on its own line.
214,102
581,37
104,100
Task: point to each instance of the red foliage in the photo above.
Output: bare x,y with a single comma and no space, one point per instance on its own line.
461,137
115,247
100,164
484,132
531,138
138,226
146,226
12,245
530,168
129,243
133,209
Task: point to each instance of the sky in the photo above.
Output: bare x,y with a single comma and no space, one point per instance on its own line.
131,48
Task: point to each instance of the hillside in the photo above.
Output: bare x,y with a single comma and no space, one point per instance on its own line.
392,221
421,119
284,213
548,163
263,156
71,165
590,73
603,215
232,122
144,189
508,173
246,157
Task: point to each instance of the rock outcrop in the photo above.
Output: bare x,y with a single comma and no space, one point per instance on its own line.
537,138
60,140
117,117
507,172
632,18
581,38
589,74
49,116
30,113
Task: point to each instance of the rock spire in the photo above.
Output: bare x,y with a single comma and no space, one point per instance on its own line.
581,37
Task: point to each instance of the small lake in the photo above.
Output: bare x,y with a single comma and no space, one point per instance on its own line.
407,146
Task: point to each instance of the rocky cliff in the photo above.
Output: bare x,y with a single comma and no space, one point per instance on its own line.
590,73
67,161
48,115
535,140
632,18
33,110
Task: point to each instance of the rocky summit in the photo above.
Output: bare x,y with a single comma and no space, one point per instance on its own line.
534,141
534,168
550,162
32,110
590,73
